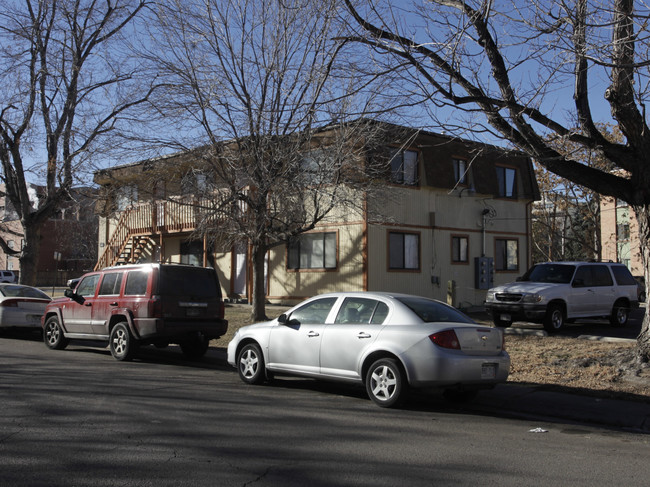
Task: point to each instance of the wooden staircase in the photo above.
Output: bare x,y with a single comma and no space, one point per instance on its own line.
140,226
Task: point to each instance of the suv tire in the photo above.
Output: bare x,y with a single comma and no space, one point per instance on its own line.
122,344
620,314
555,317
499,322
53,334
195,346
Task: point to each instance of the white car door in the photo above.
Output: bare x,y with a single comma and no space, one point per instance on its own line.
294,346
357,325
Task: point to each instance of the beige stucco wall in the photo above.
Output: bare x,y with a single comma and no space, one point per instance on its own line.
436,216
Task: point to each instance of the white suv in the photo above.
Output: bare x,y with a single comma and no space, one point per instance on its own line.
8,276
553,293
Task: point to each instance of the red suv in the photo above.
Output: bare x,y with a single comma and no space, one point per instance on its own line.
143,304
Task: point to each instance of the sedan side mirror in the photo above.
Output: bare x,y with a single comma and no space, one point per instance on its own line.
284,319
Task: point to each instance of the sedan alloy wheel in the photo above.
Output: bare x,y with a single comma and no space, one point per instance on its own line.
385,383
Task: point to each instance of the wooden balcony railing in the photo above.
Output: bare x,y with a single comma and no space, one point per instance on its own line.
152,218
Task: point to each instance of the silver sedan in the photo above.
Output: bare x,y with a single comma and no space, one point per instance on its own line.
389,342
21,306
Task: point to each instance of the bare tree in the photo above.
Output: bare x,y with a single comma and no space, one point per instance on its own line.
566,220
514,64
65,86
262,84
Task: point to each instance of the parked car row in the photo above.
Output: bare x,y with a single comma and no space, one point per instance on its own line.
387,342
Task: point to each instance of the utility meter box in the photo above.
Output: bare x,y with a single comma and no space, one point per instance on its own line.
483,272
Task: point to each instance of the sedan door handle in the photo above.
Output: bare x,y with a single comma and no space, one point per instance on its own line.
88,304
114,303
364,335
312,334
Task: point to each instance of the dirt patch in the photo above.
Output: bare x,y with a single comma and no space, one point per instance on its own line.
609,369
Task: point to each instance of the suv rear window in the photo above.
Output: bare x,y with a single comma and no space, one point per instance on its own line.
136,283
623,276
193,281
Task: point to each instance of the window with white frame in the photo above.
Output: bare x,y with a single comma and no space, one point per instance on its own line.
403,251
312,251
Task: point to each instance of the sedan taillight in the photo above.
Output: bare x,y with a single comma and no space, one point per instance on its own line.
12,303
446,339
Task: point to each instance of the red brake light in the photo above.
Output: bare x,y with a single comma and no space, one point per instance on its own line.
446,339
156,307
13,303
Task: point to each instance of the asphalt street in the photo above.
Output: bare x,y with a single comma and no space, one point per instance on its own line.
77,417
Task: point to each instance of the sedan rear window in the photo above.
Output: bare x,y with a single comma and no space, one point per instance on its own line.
22,292
431,311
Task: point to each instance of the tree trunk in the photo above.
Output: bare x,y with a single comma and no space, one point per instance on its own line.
643,218
258,254
30,253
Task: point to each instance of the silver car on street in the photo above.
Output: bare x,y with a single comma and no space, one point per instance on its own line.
389,342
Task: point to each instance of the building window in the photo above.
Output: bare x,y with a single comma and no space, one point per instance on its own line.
403,251
507,181
127,196
622,231
459,249
404,167
192,253
312,251
460,171
506,255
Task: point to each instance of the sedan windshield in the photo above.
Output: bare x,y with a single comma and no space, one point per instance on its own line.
552,273
433,311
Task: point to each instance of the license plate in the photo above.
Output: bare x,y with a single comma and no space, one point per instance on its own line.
193,312
488,371
506,317
34,319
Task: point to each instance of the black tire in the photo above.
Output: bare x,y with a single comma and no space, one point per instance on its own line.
195,347
122,344
499,322
620,314
53,334
555,318
250,364
459,396
386,383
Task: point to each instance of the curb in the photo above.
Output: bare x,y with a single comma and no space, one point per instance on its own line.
535,402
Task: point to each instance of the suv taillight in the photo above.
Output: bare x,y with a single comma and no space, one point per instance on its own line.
156,307
446,339
221,312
